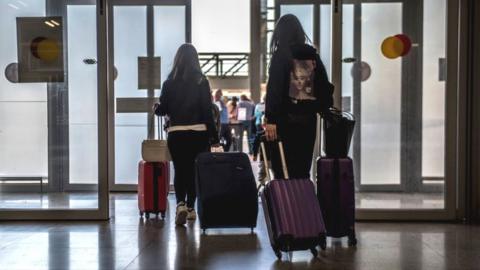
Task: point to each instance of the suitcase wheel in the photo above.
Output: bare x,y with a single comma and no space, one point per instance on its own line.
352,241
278,253
314,252
163,215
141,214
323,242
147,215
290,256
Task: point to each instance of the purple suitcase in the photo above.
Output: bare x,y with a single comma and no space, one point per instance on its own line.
336,195
292,213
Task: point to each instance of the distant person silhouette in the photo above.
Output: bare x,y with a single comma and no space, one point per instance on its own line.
225,134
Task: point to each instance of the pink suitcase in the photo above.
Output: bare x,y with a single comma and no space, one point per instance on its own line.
292,213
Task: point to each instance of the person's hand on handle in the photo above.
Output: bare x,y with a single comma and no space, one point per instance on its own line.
155,107
216,148
271,132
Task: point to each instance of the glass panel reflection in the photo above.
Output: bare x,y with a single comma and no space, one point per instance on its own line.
130,23
399,149
48,129
304,13
381,97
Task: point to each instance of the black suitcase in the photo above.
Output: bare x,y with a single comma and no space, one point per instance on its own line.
336,195
226,191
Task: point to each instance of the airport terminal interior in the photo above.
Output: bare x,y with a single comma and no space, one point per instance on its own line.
79,79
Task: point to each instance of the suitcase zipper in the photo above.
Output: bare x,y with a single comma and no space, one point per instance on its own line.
156,175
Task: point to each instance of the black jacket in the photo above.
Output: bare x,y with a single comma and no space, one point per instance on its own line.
280,100
188,103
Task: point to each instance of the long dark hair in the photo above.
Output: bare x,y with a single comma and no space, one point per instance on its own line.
186,65
234,103
288,31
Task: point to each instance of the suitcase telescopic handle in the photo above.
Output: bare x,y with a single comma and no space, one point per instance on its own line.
282,158
159,129
160,125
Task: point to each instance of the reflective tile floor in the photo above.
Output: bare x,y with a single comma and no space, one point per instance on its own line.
127,242
49,200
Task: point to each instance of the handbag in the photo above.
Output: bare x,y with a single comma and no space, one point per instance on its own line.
338,129
156,150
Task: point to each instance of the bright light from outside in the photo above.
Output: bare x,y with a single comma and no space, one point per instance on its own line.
221,26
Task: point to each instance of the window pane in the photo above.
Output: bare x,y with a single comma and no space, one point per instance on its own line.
381,97
48,105
400,107
304,13
130,131
326,36
169,35
130,23
23,107
433,89
225,28
82,96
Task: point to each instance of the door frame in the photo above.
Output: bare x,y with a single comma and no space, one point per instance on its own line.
451,106
150,52
469,188
104,144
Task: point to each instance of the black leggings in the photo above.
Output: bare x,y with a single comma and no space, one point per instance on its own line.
226,135
298,140
184,147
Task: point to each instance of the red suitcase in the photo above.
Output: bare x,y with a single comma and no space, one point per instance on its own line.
153,187
292,213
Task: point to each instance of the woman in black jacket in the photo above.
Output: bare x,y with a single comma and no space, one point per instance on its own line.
187,101
297,89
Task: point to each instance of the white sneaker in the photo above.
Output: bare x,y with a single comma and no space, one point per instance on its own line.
182,212
192,215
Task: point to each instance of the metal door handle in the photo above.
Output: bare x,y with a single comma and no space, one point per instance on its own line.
349,60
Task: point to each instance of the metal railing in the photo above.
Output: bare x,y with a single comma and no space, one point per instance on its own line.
224,64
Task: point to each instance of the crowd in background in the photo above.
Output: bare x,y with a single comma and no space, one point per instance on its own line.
235,117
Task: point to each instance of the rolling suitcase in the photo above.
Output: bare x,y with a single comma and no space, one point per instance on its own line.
336,195
153,187
226,191
292,213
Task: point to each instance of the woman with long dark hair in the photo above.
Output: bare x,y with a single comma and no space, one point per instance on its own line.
186,99
297,89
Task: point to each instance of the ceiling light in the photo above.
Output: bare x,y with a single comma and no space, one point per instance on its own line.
22,3
13,6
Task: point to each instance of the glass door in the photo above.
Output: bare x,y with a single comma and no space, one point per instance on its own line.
53,112
145,35
400,156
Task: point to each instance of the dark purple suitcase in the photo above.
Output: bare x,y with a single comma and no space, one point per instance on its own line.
293,215
336,195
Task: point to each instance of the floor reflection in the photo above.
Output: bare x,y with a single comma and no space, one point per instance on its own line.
128,242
